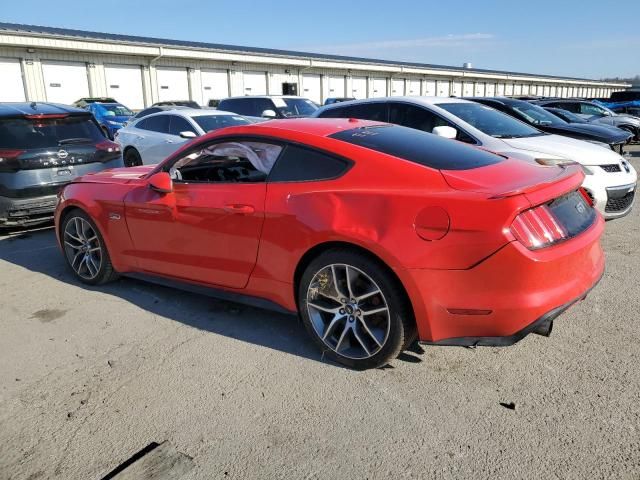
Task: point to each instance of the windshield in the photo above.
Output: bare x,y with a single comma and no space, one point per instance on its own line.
214,122
24,133
490,121
570,116
538,115
295,107
115,110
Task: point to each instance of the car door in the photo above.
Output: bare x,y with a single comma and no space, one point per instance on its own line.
150,137
207,230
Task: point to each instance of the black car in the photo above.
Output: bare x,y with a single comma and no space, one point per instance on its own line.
550,123
177,103
625,95
43,146
332,100
266,107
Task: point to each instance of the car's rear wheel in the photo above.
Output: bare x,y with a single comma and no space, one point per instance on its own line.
85,250
132,158
354,309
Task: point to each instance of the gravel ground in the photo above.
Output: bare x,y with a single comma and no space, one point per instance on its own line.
89,376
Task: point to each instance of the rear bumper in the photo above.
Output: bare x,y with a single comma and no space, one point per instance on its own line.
19,212
507,295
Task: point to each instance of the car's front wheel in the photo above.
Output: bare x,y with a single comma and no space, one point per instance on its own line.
354,309
85,250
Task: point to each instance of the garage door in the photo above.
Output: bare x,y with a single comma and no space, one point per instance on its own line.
378,87
490,89
359,87
508,90
430,88
65,82
11,85
517,89
173,84
255,83
336,86
124,83
467,89
442,88
311,88
456,89
397,86
479,89
215,85
525,89
545,91
500,88
413,87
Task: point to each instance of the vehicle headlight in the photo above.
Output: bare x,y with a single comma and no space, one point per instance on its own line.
601,144
554,161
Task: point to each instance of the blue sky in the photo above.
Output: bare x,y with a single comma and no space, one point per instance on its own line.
575,38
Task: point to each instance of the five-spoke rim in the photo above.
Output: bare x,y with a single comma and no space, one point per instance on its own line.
348,311
82,248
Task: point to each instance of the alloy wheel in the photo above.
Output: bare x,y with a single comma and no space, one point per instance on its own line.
348,311
82,248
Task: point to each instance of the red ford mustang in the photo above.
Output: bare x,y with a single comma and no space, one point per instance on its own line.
374,233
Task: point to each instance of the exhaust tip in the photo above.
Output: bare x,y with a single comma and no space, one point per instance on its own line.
544,328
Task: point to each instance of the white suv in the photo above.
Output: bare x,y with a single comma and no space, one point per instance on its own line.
609,178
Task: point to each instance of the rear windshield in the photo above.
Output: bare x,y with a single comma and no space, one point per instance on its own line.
418,147
214,122
23,133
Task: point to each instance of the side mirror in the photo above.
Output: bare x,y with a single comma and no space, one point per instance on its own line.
269,114
160,182
188,134
445,131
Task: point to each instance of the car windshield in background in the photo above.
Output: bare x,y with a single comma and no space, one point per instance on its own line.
115,110
214,122
295,107
490,121
23,133
570,116
418,147
538,115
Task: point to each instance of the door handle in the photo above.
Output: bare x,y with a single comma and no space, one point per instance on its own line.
168,141
239,209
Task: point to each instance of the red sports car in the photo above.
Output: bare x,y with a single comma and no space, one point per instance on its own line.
373,233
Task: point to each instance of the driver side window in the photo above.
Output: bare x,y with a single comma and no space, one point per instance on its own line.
227,162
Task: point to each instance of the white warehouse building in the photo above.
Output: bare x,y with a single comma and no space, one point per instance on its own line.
61,65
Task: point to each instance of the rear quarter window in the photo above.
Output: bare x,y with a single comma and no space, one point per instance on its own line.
418,147
299,164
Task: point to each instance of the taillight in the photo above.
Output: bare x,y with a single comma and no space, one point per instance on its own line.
9,160
108,146
537,228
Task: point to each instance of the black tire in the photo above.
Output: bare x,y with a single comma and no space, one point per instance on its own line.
104,271
132,158
400,326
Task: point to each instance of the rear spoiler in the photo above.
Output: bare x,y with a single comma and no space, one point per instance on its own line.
569,179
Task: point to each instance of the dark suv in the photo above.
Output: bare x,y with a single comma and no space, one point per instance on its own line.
266,107
42,147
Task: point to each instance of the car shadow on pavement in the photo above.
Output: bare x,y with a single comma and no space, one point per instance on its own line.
37,251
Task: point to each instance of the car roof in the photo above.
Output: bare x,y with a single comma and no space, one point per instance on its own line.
264,96
503,100
319,127
35,108
190,112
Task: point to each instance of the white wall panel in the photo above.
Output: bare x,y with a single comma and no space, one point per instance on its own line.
456,88
311,87
11,84
124,83
359,87
65,82
173,84
429,88
255,83
378,87
214,84
413,87
397,87
336,86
